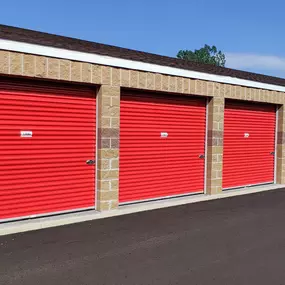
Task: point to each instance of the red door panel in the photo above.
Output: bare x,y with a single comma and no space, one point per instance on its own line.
249,140
47,172
161,138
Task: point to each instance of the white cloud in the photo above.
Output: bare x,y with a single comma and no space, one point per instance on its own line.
256,62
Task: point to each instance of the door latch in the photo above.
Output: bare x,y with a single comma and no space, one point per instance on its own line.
202,156
272,152
90,162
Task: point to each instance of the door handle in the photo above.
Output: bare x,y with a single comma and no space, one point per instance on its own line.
272,152
202,156
90,162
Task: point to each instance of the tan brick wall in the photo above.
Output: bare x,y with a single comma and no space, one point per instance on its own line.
215,145
60,69
111,79
108,106
4,62
280,155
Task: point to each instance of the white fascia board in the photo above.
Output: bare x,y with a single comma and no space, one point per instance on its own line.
129,64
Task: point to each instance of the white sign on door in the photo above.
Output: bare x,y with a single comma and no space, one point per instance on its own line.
26,134
246,135
163,135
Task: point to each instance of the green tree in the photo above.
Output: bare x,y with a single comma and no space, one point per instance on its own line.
206,54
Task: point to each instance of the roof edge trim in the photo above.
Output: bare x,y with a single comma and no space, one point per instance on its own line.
129,64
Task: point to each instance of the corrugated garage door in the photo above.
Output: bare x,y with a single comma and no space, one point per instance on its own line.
161,138
47,134
249,143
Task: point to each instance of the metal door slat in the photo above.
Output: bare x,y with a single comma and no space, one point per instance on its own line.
160,144
46,173
249,140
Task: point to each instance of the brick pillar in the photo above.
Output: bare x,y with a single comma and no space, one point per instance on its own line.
215,145
280,155
108,101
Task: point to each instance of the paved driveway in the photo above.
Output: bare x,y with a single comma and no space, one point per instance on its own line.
238,240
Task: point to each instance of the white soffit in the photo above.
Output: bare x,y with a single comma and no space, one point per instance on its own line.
129,64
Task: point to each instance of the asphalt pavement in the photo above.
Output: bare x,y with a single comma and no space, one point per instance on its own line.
233,241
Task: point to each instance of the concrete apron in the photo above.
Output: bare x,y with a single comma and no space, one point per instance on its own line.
72,218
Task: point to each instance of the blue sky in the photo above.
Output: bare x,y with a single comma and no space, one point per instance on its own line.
250,32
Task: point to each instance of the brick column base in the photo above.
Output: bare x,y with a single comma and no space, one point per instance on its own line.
108,102
215,146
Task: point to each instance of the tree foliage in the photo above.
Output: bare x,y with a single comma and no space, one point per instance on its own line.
207,54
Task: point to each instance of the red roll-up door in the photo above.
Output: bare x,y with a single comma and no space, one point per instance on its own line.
249,143
47,134
161,138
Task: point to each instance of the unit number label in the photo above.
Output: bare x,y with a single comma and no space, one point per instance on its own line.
26,134
163,135
246,135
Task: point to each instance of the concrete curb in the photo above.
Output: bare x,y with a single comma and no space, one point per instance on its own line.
72,218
